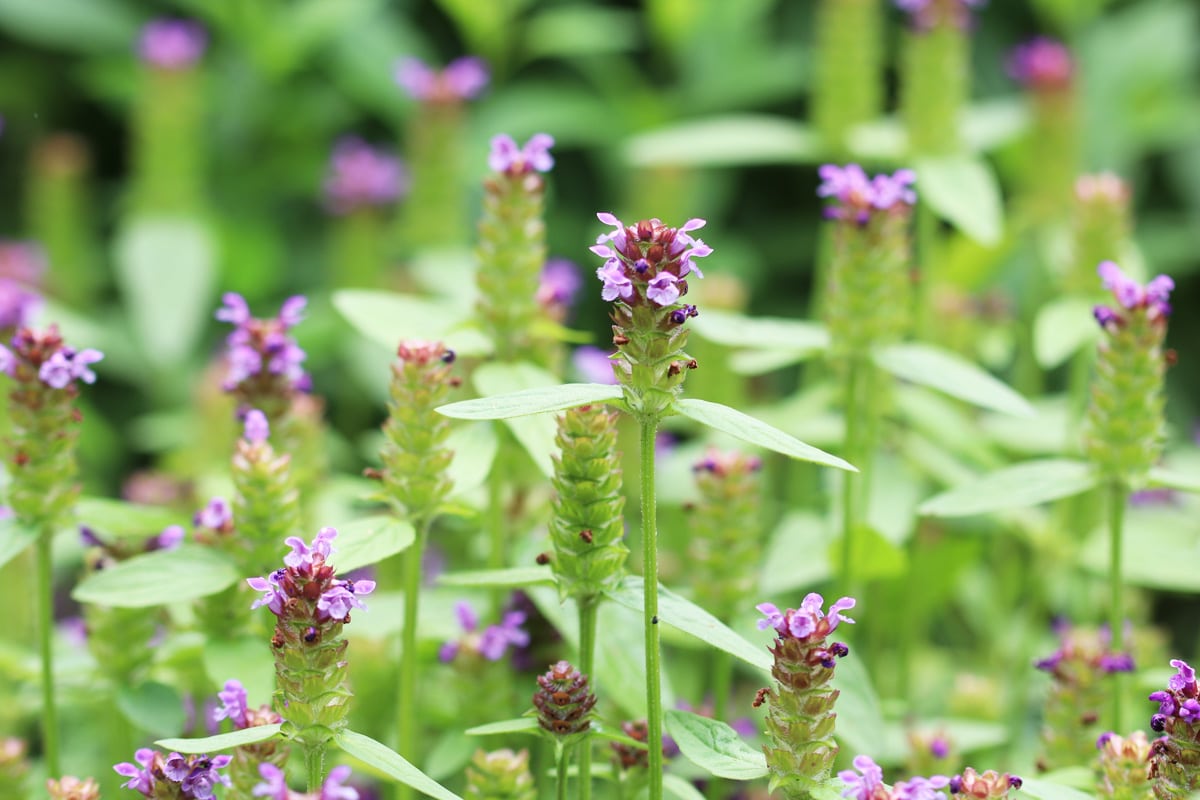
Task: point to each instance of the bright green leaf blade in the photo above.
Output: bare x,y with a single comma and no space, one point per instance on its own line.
1152,535
392,764
224,741
248,659
518,725
798,532
13,539
533,401
1061,328
1170,479
749,429
119,518
1040,789
512,578
760,362
167,271
680,788
1019,486
948,372
724,142
83,25
714,746
963,190
158,578
731,329
681,613
389,318
858,708
153,707
534,433
368,541
474,447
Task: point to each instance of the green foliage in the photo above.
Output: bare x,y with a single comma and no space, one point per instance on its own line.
159,578
387,762
714,746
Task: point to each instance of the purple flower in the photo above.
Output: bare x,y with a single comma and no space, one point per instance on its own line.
361,176
616,283
307,577
141,779
1105,316
558,286
66,366
1189,712
921,788
204,775
1041,63
648,259
593,364
535,156
492,643
262,357
274,783
172,44
303,556
1110,663
939,747
1166,702
927,14
233,704
1184,680
336,602
462,79
866,785
1131,295
663,289
216,515
334,789
808,621
257,430
858,197
273,596
22,265
169,539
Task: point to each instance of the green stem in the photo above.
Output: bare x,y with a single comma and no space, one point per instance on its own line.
850,479
1117,498
45,568
650,609
406,721
588,608
563,760
496,518
314,763
722,682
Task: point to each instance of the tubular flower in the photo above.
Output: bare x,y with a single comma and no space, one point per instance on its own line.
193,777
463,79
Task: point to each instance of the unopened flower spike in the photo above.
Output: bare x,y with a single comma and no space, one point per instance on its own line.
361,186
266,503
1101,229
71,788
564,703
848,67
310,606
175,776
989,785
512,249
265,366
725,546
244,768
500,775
22,271
1125,766
800,707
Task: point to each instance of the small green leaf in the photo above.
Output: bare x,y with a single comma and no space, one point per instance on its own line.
512,578
369,541
248,659
726,141
119,518
518,725
777,333
153,707
749,429
1167,478
389,318
963,190
474,447
535,433
158,578
714,746
13,539
858,709
224,741
533,401
167,271
392,764
1152,534
1061,328
948,372
1019,486
1040,789
760,362
681,789
681,613
798,532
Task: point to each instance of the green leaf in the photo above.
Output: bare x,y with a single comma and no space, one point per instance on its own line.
1061,328
155,579
1152,535
166,268
1040,789
777,333
798,532
680,788
858,709
389,318
1019,486
681,613
474,447
950,373
153,707
535,433
729,141
511,578
224,741
518,725
248,659
760,362
369,541
119,518
85,25
963,190
1164,477
392,764
14,539
749,429
533,401
714,746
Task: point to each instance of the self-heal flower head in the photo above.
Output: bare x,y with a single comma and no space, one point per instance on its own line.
264,362
649,261
70,787
305,588
217,515
1131,296
141,779
558,287
808,621
919,788
362,176
462,79
172,44
927,14
858,197
196,776
233,704
67,366
865,786
989,785
506,157
256,429
1041,64
46,358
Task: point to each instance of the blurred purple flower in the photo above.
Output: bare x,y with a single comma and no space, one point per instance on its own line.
1131,295
256,429
858,197
509,159
1041,63
866,785
927,14
593,364
361,176
559,285
172,44
492,643
262,349
462,79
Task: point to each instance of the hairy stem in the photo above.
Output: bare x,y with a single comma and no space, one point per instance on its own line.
45,568
406,720
588,607
650,608
1117,497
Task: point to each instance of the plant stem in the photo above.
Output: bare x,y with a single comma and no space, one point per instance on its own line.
314,763
849,479
649,427
45,568
406,720
722,681
563,760
1117,498
588,608
496,521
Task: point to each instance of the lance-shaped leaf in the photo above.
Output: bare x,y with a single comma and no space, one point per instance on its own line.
517,725
13,539
1061,327
119,518
534,432
1019,486
714,746
224,741
949,373
755,431
511,578
153,707
392,764
777,333
158,578
1168,478
533,401
389,318
369,541
963,190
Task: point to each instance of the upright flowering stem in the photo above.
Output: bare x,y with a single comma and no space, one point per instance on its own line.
1044,67
60,213
645,272
849,59
45,430
362,184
